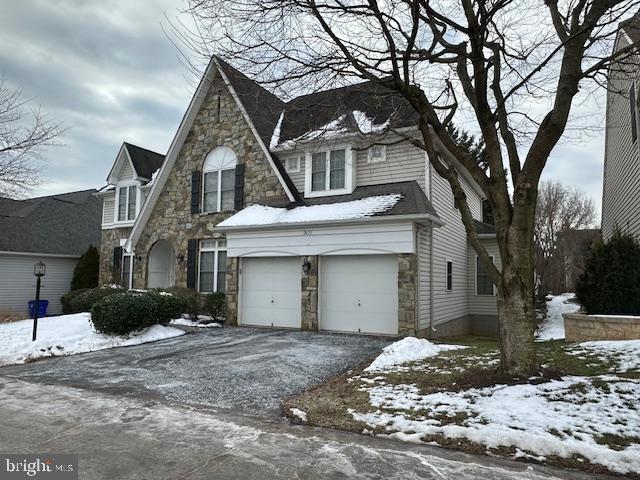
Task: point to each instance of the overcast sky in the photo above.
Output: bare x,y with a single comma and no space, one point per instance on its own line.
109,73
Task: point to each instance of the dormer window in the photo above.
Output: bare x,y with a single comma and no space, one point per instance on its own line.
218,180
329,172
127,203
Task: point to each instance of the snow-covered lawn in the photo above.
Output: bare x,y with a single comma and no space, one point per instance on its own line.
67,335
201,322
552,327
588,416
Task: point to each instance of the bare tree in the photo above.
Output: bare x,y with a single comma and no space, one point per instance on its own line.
508,70
560,208
22,135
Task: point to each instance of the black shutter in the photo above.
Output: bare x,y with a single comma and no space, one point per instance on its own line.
196,190
117,258
192,263
238,199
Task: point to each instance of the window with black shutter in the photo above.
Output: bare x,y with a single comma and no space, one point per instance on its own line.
239,188
196,190
192,256
117,257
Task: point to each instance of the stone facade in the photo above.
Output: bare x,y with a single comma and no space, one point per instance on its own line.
583,328
407,285
110,240
232,290
309,307
171,218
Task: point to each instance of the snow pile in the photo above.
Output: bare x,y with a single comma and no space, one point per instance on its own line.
366,125
565,418
275,137
334,128
187,322
625,353
262,215
409,349
552,327
67,335
299,414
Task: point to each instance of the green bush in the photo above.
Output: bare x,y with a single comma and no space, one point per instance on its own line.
67,300
84,301
85,275
124,313
193,300
610,283
169,306
214,305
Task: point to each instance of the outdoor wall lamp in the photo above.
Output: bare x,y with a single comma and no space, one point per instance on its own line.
180,257
306,266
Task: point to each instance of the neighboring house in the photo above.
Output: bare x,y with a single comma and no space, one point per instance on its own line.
56,230
621,192
307,214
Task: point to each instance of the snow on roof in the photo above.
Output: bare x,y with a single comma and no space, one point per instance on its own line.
275,138
263,215
366,125
331,129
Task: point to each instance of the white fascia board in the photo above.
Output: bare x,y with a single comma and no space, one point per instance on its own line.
253,130
172,155
133,167
34,254
116,163
373,219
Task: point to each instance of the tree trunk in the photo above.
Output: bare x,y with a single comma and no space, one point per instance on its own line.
516,309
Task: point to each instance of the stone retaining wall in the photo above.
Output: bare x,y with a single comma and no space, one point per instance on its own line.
582,328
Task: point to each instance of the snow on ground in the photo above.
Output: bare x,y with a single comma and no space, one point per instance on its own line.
67,335
188,322
572,416
299,413
409,349
553,325
625,353
263,215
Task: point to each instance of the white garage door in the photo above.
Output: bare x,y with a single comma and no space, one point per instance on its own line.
270,293
359,293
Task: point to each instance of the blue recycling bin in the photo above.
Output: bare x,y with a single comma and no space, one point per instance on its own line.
42,308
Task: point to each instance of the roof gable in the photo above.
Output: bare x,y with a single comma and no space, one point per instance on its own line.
145,162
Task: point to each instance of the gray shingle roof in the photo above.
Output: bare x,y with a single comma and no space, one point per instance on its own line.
59,224
145,162
413,200
484,228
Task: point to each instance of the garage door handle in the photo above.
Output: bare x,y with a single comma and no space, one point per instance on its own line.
359,304
272,300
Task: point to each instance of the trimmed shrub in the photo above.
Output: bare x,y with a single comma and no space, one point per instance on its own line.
215,305
84,302
124,313
192,299
169,306
610,283
67,300
85,275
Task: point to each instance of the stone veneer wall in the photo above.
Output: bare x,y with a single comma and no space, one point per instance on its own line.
407,284
171,218
110,240
583,328
309,307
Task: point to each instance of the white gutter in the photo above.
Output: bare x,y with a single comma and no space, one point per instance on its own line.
34,254
341,221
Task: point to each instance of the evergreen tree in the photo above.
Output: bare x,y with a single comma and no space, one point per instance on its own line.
85,275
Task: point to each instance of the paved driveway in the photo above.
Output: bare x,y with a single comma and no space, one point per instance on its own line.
245,369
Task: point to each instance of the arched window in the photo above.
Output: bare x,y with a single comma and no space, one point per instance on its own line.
218,180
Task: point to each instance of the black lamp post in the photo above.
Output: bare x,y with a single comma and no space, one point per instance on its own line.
39,270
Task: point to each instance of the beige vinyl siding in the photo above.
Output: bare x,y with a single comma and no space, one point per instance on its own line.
424,266
449,244
126,172
17,283
621,197
403,162
298,178
482,304
108,209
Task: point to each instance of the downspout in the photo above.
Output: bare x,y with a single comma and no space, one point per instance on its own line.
430,179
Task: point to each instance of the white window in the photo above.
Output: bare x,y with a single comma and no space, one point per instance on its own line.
484,285
376,154
213,266
328,170
449,272
218,180
127,271
293,165
127,203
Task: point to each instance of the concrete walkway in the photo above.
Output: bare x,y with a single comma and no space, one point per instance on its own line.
119,437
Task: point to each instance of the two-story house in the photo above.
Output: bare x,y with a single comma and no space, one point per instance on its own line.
621,191
308,214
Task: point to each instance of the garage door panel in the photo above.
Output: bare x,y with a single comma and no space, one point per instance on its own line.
270,294
359,294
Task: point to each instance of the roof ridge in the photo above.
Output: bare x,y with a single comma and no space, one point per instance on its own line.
143,148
